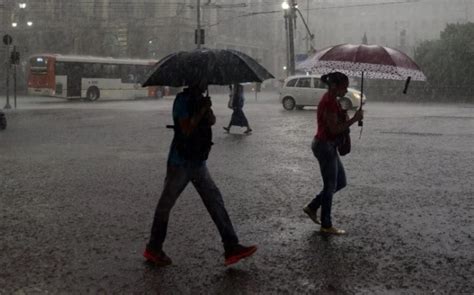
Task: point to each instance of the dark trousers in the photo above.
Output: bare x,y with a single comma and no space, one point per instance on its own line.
177,177
334,178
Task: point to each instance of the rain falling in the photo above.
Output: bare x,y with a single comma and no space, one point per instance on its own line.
236,146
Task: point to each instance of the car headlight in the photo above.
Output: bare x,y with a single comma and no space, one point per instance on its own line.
356,95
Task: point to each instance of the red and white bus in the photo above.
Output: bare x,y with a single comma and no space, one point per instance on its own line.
70,76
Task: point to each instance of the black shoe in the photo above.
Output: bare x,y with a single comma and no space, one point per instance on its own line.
227,129
238,252
312,214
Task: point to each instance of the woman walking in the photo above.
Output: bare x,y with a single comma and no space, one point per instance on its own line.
332,122
238,117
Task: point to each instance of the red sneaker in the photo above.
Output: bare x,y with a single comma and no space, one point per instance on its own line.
238,252
159,258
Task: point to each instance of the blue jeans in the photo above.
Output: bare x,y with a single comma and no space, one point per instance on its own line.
177,177
334,178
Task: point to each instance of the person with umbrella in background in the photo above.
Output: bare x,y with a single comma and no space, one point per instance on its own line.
193,118
238,117
332,122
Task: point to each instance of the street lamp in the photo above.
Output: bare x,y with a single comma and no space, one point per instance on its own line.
14,24
290,10
22,5
30,23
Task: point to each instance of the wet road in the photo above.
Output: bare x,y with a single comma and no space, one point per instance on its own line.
79,183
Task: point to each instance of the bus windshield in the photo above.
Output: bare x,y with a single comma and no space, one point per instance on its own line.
39,65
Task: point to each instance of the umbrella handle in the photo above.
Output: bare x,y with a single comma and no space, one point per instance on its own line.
407,82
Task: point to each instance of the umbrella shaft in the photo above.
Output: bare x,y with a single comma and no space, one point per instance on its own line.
361,89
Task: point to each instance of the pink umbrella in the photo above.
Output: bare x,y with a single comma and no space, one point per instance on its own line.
371,61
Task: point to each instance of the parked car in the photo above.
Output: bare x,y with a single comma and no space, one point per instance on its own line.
306,90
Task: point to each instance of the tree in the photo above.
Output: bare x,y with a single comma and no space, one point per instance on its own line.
449,61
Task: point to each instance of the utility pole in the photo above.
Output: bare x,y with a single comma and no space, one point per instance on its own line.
291,37
287,68
289,9
290,24
7,40
307,33
15,57
198,32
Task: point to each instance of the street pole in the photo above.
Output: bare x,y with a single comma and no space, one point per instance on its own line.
307,19
8,62
291,37
287,70
198,33
14,78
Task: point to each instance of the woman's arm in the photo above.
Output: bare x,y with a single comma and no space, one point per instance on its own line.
336,127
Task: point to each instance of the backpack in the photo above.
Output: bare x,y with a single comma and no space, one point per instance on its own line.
197,145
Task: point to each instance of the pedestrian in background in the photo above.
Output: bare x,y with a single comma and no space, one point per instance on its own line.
324,146
238,117
193,119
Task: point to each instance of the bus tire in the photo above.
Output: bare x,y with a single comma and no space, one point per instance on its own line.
93,93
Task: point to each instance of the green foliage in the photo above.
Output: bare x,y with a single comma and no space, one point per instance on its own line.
449,61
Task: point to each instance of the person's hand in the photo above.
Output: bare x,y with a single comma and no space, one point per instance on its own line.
359,115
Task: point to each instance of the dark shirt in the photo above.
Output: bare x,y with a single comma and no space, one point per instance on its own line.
181,110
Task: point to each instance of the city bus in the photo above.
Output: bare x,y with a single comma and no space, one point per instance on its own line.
69,76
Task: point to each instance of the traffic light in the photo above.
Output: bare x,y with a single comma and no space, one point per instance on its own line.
15,57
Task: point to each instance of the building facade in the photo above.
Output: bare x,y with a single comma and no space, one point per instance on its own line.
146,29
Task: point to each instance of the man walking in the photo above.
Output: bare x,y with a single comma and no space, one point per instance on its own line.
193,118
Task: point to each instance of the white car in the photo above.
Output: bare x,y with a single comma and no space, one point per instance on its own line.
306,90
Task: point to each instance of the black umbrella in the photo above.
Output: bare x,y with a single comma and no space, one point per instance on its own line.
216,66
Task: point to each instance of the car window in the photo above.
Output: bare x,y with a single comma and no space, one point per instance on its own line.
319,84
304,82
291,83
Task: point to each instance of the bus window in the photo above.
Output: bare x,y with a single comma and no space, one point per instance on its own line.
60,69
141,72
92,70
128,73
39,65
110,71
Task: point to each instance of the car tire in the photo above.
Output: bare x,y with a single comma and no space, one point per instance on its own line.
93,93
289,103
346,103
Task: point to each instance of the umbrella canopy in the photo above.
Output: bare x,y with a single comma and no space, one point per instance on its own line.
216,66
370,61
